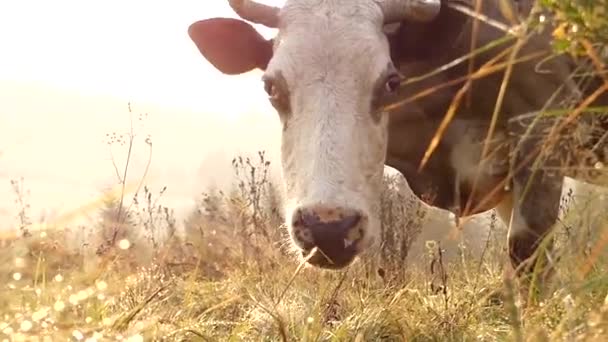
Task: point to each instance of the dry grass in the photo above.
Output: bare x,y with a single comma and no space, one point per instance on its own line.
160,302
230,275
229,279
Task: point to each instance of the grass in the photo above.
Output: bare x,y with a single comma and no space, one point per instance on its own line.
214,283
230,276
160,302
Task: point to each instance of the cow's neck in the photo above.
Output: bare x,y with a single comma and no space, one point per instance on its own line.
419,48
454,168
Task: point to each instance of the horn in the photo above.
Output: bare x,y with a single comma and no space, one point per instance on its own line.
413,10
256,12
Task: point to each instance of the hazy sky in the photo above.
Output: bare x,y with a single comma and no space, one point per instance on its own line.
68,69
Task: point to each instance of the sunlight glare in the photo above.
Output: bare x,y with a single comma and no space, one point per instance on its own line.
136,49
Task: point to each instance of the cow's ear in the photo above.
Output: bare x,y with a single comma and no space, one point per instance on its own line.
231,45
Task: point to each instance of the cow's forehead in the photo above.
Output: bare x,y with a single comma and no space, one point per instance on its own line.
331,58
298,12
338,34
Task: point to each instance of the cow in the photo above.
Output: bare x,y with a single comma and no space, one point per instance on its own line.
344,75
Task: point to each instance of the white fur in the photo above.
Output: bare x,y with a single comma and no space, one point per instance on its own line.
330,54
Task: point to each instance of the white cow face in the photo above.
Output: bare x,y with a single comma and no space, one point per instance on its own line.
327,73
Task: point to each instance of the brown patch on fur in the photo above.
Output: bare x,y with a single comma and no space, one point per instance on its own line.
329,215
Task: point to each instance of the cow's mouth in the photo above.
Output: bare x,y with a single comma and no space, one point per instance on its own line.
319,259
330,258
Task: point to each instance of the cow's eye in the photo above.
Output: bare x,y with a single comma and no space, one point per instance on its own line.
393,82
269,87
277,93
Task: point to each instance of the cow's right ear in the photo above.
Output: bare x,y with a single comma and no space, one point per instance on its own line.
231,45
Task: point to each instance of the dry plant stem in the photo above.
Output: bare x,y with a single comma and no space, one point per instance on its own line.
123,321
601,70
457,61
281,325
582,107
124,177
579,110
484,250
597,250
528,131
576,113
143,176
497,108
538,118
513,310
601,244
295,274
478,16
24,219
333,297
532,155
559,112
597,62
452,110
455,103
480,74
220,305
474,35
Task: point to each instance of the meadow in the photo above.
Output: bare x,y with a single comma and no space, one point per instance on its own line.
227,272
230,276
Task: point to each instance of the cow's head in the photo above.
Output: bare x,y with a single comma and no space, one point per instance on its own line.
327,72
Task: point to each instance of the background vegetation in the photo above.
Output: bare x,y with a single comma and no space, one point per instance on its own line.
229,274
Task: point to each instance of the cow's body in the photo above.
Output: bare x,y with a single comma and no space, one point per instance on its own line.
448,178
332,179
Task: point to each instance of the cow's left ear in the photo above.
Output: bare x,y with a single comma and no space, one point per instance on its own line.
232,46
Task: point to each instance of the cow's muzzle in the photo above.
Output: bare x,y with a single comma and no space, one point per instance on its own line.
335,234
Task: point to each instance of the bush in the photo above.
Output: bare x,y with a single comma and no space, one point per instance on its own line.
578,20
